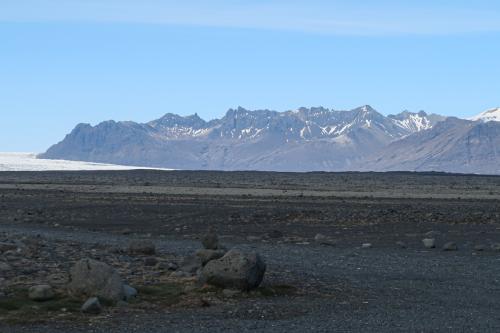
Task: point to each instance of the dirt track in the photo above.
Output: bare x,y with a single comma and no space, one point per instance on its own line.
384,288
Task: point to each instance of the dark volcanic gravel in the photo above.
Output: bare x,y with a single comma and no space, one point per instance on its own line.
347,288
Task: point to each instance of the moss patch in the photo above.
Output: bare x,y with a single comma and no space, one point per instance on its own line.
166,293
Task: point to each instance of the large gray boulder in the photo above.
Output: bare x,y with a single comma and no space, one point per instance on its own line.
235,270
91,278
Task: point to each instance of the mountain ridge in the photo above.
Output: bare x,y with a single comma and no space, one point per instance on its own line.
305,139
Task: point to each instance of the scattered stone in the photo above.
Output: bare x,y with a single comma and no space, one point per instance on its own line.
230,293
90,278
142,246
92,306
429,243
41,293
150,261
495,246
210,241
191,264
5,267
275,234
168,266
401,244
480,247
320,238
366,245
235,270
432,234
180,274
129,292
208,255
324,240
4,247
126,231
450,246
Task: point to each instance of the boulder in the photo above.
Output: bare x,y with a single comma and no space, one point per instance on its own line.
92,278
208,255
92,306
142,246
41,293
235,270
429,243
366,245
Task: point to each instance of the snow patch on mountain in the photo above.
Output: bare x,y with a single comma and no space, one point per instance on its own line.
488,115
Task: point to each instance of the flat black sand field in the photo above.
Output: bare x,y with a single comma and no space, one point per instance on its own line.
338,287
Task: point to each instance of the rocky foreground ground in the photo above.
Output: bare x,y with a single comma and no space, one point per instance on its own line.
343,252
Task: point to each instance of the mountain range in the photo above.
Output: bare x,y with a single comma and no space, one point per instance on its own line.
306,139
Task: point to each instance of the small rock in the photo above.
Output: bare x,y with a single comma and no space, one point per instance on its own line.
41,293
210,241
92,306
432,234
230,293
450,246
146,247
180,274
320,238
126,231
480,247
4,247
129,292
5,267
401,244
191,264
207,255
495,246
275,234
366,245
429,243
168,266
150,261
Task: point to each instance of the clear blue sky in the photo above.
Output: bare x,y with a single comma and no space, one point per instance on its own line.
63,62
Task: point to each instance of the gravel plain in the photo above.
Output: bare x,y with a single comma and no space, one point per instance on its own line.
344,288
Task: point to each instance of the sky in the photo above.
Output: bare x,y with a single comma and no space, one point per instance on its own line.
64,62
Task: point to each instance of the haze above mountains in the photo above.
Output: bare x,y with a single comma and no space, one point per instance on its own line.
307,139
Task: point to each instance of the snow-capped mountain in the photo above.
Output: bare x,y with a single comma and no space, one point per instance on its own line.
298,140
488,115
